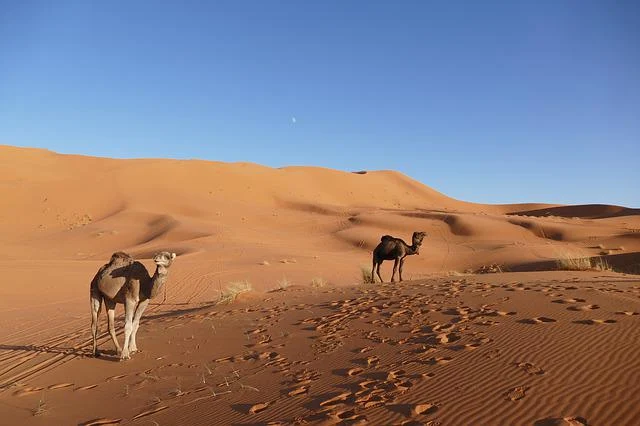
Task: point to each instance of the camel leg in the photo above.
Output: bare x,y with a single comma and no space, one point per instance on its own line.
129,310
395,268
96,305
111,319
373,268
378,271
400,270
133,348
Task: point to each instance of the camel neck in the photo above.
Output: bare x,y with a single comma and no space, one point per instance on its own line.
413,249
157,281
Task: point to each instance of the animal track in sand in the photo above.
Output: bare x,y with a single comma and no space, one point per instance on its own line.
354,371
424,409
570,300
60,386
257,408
150,412
337,400
83,388
27,391
516,393
562,421
118,377
101,422
583,308
447,337
441,360
536,320
493,353
529,368
595,321
298,391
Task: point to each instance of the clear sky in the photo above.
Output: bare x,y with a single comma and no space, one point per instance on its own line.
486,101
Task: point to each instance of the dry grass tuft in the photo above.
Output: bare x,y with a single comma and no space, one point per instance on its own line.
583,264
366,277
233,290
318,282
283,284
41,408
494,268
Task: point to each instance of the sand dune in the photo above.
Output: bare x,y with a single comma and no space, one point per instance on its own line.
310,343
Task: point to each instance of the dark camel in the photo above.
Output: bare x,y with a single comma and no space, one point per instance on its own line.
391,248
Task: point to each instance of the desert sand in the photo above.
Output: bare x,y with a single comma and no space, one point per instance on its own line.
488,327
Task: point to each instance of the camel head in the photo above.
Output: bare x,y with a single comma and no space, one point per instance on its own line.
417,240
164,258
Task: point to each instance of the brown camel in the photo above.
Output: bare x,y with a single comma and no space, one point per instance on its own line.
391,248
126,281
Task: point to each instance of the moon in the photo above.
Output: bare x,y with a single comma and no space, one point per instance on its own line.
293,120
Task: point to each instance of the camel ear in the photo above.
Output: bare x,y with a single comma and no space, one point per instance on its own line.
173,256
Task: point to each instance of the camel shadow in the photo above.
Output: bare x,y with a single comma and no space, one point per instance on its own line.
45,349
71,351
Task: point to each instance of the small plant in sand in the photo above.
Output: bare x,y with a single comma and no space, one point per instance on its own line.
230,294
494,268
583,264
318,282
41,408
283,284
366,277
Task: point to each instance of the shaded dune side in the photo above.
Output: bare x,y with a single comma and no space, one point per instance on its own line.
586,211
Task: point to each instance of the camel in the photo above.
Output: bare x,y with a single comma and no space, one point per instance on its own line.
391,248
126,281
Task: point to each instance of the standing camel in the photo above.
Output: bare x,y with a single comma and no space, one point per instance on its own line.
391,248
126,281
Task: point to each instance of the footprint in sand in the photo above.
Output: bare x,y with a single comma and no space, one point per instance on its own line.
425,409
298,391
571,300
337,400
594,322
516,393
562,421
536,320
529,368
583,308
447,337
257,408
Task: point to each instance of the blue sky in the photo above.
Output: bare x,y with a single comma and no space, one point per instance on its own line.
493,101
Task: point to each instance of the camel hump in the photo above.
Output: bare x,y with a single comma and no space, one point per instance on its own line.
386,238
120,257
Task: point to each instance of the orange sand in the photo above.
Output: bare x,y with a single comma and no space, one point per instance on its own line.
526,346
